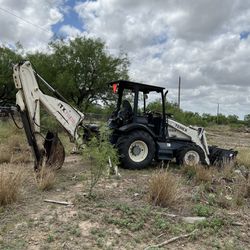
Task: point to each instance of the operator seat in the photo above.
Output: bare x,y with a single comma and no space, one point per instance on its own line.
126,112
126,106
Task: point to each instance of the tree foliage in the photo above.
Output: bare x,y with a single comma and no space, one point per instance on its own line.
7,58
80,70
247,120
194,118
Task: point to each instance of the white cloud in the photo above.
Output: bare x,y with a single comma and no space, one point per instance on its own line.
28,21
199,40
69,31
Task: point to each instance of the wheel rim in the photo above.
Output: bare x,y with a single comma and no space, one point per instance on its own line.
191,158
138,151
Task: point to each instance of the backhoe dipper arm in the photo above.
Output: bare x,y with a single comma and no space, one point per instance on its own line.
28,100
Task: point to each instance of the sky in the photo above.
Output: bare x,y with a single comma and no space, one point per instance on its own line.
206,42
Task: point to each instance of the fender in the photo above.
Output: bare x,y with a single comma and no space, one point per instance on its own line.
134,126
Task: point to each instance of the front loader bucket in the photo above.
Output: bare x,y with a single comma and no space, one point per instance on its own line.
55,152
220,157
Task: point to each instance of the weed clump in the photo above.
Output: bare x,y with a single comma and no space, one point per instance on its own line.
45,178
202,210
199,173
10,184
225,187
163,188
244,157
13,149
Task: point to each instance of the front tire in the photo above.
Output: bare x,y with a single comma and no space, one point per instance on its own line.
190,156
136,150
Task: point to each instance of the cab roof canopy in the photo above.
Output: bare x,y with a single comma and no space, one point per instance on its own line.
137,86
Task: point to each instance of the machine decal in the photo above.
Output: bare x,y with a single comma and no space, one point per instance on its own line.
178,126
68,115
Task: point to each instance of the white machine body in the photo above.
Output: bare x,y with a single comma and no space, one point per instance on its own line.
194,134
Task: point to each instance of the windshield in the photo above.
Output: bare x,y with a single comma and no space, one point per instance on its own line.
150,102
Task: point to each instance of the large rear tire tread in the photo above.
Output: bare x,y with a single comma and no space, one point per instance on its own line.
123,144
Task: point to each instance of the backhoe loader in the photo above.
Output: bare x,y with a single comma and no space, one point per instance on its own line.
140,135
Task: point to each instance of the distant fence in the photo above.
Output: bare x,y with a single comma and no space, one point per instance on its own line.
6,113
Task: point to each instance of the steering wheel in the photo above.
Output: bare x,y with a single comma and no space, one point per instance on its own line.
151,113
157,113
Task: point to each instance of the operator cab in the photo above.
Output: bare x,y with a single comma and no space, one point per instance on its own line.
134,107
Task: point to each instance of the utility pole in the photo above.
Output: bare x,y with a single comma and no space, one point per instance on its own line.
179,93
218,112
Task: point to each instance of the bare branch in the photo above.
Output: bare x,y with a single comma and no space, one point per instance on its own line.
172,240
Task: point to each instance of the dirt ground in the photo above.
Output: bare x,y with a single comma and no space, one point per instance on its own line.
120,215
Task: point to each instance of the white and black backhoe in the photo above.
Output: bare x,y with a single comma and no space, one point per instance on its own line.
140,135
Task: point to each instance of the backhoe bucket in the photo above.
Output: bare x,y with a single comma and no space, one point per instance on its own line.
55,152
221,157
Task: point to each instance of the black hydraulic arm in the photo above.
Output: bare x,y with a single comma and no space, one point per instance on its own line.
31,139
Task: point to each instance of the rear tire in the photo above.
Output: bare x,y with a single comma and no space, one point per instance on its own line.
136,150
190,156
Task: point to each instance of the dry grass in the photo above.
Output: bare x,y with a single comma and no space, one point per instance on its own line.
21,157
247,189
204,174
45,179
243,157
199,173
163,188
5,155
7,129
14,148
224,186
11,178
229,186
233,195
241,189
11,155
16,142
226,172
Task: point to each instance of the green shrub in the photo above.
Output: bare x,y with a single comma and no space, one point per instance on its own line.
202,210
99,151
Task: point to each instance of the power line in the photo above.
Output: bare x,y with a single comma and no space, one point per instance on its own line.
24,20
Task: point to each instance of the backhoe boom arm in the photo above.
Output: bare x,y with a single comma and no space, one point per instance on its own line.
29,98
